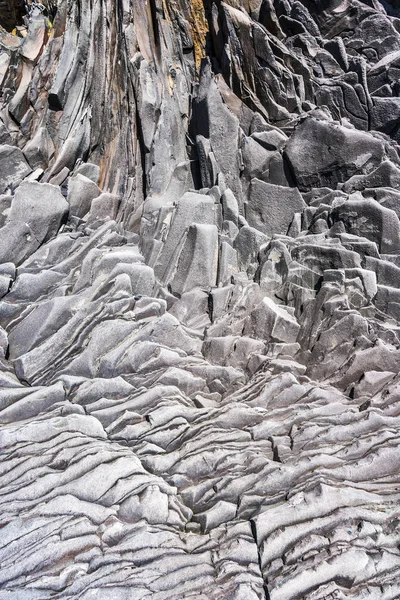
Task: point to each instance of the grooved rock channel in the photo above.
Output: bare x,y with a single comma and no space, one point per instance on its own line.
200,300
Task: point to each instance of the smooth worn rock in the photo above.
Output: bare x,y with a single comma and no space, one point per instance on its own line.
13,167
322,153
41,206
81,192
197,264
199,300
270,208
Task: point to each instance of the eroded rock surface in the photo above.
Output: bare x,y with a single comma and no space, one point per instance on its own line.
200,300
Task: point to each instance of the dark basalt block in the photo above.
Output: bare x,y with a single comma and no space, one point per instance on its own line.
322,153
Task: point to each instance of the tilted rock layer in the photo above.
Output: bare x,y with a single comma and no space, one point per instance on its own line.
200,300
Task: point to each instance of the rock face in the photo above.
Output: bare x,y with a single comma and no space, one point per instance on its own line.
199,300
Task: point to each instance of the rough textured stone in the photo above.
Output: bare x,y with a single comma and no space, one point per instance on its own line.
367,218
271,208
199,300
13,167
41,206
322,153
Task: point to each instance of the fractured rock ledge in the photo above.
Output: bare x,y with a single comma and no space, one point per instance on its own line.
199,300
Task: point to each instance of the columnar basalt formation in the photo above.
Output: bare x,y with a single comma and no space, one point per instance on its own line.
200,300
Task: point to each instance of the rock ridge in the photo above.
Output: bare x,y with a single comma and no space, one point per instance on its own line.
199,300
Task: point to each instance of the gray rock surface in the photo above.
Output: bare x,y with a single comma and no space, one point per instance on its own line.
199,300
13,167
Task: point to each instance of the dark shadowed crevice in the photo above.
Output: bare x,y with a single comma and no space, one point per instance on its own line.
12,13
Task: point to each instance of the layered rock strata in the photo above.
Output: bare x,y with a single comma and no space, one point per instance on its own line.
200,300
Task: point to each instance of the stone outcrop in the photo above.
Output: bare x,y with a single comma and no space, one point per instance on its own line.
199,300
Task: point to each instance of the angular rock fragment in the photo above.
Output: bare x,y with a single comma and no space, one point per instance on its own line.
81,192
41,206
13,167
199,300
270,208
322,153
198,260
268,321
366,218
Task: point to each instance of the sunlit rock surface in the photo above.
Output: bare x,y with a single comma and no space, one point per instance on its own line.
200,300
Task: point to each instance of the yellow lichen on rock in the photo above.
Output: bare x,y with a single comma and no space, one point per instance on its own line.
199,30
194,15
